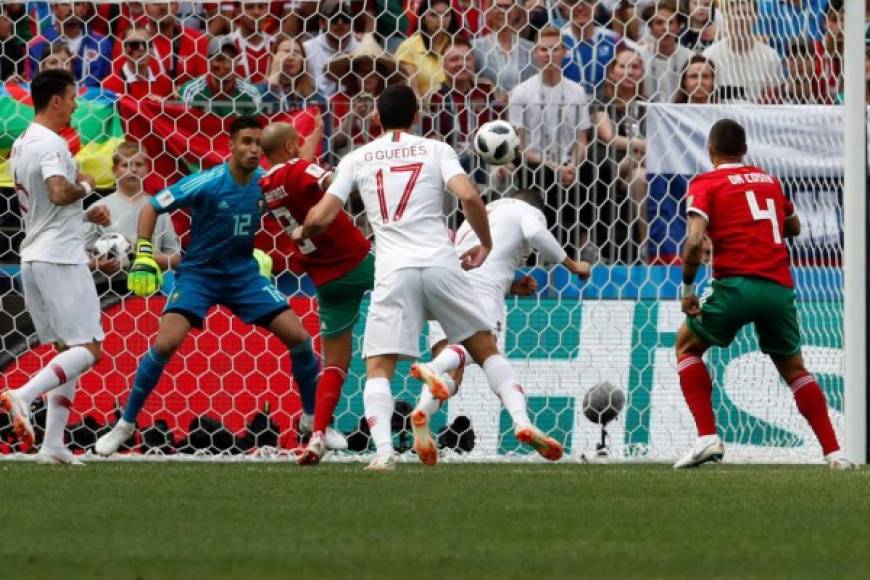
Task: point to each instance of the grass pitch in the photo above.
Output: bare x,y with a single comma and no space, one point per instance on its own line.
154,521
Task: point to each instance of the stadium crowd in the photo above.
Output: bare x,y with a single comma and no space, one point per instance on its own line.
573,76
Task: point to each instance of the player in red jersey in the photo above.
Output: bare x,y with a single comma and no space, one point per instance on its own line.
746,215
338,261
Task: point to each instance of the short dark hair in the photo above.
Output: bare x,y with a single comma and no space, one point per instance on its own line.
530,196
244,122
728,137
47,84
397,105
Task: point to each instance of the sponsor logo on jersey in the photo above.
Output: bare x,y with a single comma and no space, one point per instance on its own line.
315,171
165,198
274,195
223,205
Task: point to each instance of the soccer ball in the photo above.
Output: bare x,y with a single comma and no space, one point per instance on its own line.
113,246
496,142
602,403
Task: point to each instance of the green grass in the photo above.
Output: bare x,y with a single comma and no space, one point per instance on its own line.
259,521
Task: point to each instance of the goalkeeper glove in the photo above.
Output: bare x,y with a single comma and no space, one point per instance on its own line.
264,263
145,277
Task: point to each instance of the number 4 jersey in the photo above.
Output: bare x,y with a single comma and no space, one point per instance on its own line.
745,209
290,190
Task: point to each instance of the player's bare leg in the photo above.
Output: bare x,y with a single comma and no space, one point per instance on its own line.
379,405
813,406
503,381
697,389
337,352
174,328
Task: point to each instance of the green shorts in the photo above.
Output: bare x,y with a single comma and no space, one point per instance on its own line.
339,300
729,304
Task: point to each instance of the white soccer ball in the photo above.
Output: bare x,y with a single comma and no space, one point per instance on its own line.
113,246
496,142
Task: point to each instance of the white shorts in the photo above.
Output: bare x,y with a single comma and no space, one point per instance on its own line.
62,301
493,311
407,297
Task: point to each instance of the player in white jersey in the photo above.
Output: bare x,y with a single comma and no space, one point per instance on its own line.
518,227
59,292
401,179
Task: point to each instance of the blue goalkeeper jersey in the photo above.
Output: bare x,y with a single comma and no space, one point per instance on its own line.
224,218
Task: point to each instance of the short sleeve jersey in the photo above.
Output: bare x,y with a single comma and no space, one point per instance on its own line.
53,233
225,215
291,189
401,179
745,209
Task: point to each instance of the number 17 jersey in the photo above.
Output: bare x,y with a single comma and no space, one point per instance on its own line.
745,209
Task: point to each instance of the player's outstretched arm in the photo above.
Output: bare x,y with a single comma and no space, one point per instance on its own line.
475,212
693,252
319,217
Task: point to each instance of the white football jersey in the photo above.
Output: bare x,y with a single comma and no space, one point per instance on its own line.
513,223
401,179
53,233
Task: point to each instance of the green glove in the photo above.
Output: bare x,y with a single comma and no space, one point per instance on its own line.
145,277
264,263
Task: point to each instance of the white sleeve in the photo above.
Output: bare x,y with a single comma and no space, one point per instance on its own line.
167,239
516,107
583,121
343,179
535,231
450,166
52,161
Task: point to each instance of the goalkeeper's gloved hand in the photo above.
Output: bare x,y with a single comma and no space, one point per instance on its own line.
264,263
145,277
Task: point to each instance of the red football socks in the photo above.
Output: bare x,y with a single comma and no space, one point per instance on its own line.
698,391
812,405
328,393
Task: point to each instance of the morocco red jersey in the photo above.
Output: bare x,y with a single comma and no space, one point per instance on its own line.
745,210
290,190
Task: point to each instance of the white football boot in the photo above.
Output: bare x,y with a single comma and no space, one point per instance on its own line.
49,456
334,440
383,462
424,444
838,461
112,441
315,451
706,448
19,416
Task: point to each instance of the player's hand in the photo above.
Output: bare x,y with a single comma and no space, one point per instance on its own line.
474,257
264,263
99,214
568,174
691,306
145,277
107,265
525,286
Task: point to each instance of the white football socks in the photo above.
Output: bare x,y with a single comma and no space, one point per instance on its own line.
65,367
59,404
503,382
378,404
449,359
430,404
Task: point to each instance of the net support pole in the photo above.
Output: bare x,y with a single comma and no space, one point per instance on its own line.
855,235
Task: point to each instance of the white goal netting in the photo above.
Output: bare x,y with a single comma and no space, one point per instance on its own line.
612,99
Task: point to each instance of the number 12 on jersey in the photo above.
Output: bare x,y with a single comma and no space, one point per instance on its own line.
411,168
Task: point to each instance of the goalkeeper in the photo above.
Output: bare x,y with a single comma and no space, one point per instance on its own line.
225,204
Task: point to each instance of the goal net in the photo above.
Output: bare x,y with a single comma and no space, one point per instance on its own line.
612,100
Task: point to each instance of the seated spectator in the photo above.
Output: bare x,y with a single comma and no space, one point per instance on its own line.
221,91
698,83
664,57
503,56
290,84
830,51
618,115
802,86
551,115
11,48
747,70
249,32
461,104
391,22
470,16
782,21
336,19
590,47
137,78
92,53
626,21
130,165
56,56
701,27
423,52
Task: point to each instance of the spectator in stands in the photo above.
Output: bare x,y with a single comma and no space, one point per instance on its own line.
437,25
136,77
249,32
179,52
626,21
290,84
551,115
590,47
56,56
391,22
664,57
701,27
802,86
130,165
747,70
336,18
618,115
503,56
698,83
782,21
830,50
11,48
92,53
463,102
221,91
